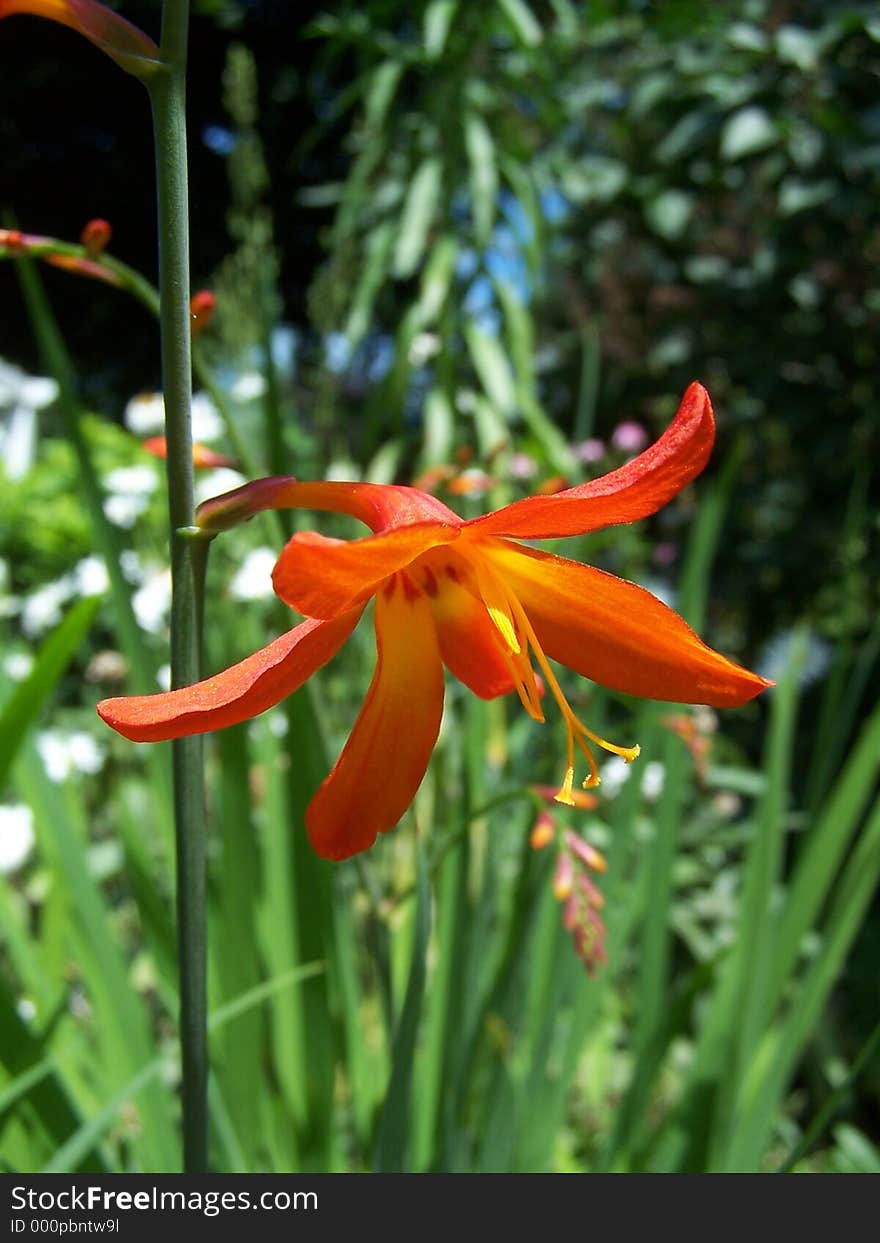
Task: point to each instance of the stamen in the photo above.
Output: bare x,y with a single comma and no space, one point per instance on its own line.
525,687
512,622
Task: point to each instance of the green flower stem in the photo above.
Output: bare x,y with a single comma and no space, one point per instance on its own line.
168,98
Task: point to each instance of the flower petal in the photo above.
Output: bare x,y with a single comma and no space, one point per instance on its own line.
634,491
126,44
236,694
618,634
469,644
323,577
382,764
381,507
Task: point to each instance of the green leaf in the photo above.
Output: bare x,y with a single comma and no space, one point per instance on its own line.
492,367
523,21
669,213
23,707
435,30
483,175
419,210
749,130
393,1140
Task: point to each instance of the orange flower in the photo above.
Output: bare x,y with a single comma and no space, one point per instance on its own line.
203,457
460,594
126,44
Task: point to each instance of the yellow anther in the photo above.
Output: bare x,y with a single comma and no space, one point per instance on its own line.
513,625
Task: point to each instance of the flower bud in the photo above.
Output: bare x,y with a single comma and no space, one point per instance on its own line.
96,236
201,308
543,831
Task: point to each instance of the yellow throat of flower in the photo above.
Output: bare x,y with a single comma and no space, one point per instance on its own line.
519,641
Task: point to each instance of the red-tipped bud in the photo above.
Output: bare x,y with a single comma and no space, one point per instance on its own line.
563,877
543,831
470,483
430,480
556,483
203,457
587,854
13,240
201,308
96,236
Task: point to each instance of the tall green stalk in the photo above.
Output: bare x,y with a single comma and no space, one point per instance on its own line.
168,98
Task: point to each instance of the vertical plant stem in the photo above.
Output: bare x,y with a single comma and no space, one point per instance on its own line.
168,99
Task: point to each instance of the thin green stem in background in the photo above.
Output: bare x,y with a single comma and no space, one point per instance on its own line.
168,98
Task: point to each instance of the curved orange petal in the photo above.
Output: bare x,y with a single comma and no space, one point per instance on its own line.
126,44
469,644
618,634
236,694
381,507
382,764
634,491
322,577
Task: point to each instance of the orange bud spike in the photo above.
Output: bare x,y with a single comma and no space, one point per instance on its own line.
201,309
96,236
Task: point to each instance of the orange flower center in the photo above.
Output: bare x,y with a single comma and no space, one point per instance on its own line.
518,642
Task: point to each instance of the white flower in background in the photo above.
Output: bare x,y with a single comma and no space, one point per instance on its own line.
66,753
615,773
25,1009
206,422
661,588
254,580
124,511
130,564
16,836
145,416
214,482
779,651
163,677
21,397
91,576
653,777
152,600
248,387
42,608
17,665
130,489
132,480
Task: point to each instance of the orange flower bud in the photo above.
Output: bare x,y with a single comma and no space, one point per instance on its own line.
430,480
554,484
587,854
201,308
563,877
543,831
203,457
96,236
13,240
